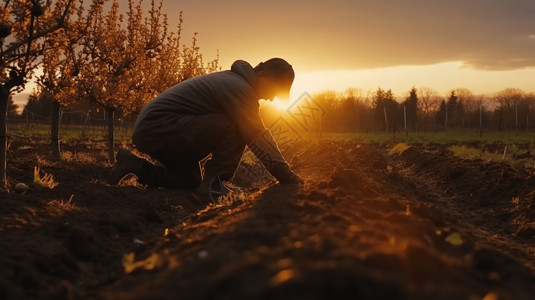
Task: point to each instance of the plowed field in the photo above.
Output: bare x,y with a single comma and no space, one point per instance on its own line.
422,224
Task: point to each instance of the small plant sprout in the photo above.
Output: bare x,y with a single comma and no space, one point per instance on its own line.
47,181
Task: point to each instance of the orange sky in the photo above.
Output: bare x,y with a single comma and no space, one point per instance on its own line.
482,45
355,34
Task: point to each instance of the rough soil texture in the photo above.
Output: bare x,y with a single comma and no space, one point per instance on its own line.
365,225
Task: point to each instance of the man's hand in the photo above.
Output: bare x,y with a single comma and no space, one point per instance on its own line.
266,150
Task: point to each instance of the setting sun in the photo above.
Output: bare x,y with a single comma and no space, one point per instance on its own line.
280,104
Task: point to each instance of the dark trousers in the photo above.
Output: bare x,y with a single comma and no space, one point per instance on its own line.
201,136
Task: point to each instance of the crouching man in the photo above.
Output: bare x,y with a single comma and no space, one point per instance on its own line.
213,114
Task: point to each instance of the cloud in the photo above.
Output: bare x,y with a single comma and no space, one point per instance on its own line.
482,34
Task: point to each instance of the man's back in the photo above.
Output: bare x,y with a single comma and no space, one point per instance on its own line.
228,92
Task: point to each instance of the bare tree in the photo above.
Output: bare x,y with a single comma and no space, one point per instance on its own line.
357,111
428,103
507,106
467,106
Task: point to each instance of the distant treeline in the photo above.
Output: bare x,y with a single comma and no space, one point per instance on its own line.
424,109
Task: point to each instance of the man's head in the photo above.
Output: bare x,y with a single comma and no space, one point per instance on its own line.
275,78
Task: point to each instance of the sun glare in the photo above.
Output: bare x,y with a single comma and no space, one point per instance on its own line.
280,104
303,83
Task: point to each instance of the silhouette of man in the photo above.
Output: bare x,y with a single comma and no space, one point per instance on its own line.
213,114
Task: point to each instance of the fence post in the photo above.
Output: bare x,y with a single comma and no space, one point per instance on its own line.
386,118
54,130
446,118
480,121
27,120
405,120
111,133
516,116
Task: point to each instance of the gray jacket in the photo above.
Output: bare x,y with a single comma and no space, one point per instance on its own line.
230,92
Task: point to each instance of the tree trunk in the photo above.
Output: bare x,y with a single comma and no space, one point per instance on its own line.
111,134
54,131
4,100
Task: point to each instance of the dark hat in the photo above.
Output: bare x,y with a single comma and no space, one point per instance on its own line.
282,72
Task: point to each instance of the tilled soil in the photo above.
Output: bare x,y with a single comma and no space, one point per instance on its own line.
365,225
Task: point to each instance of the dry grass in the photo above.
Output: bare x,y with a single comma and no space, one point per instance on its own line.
45,181
79,157
59,207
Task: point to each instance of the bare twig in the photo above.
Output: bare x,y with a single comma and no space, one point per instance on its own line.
29,47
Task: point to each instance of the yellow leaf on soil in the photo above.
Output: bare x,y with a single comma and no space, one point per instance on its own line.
130,265
282,277
399,148
454,239
491,296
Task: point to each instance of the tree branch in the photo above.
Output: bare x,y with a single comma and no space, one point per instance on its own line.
29,47
14,81
64,15
59,24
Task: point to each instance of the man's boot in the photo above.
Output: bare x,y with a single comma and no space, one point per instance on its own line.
211,188
126,163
